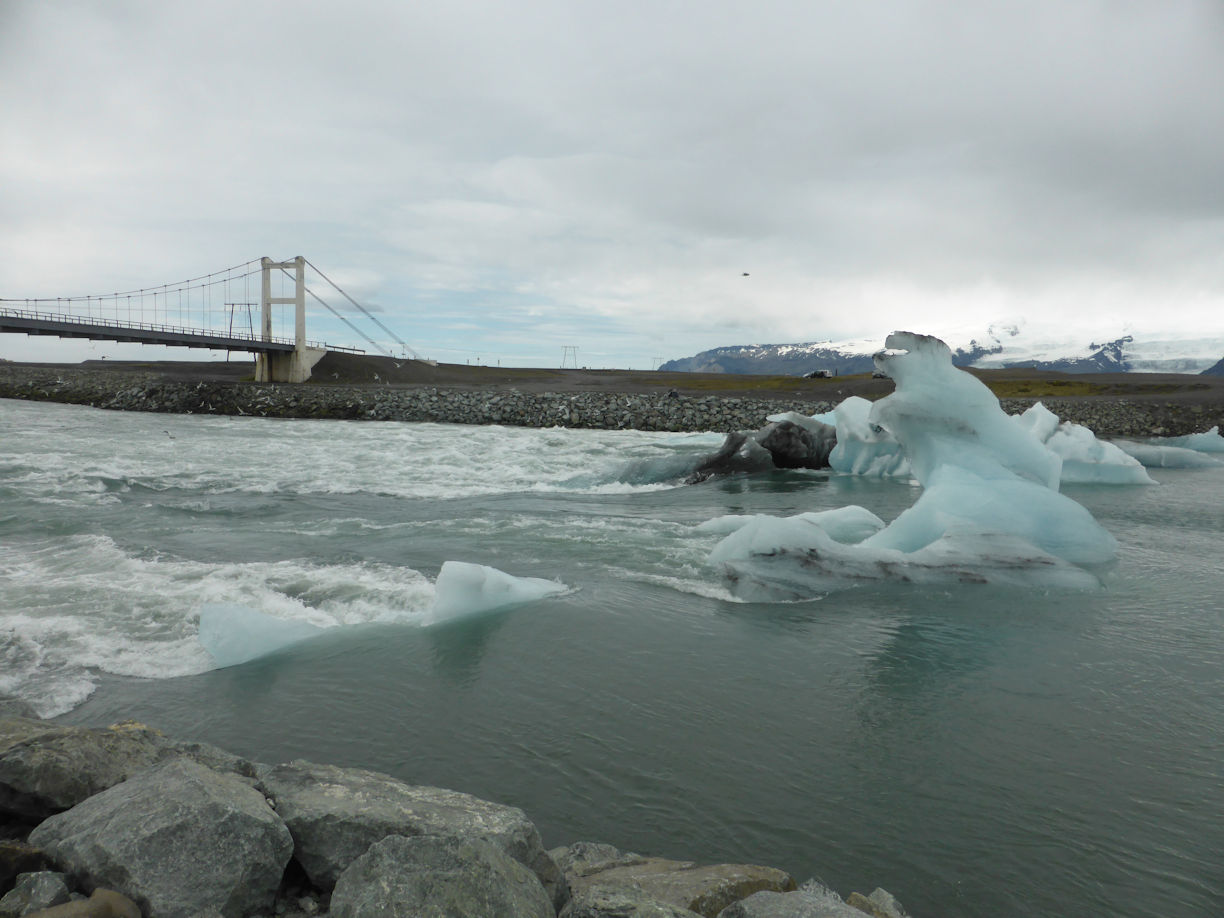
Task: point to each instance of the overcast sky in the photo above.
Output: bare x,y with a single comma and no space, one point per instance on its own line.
506,179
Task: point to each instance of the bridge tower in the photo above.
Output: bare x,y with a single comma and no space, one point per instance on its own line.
285,367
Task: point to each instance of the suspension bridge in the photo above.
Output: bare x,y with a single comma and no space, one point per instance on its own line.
214,311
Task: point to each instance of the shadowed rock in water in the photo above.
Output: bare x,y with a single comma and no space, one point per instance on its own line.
777,445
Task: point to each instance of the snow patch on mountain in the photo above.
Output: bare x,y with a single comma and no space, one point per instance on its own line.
1001,344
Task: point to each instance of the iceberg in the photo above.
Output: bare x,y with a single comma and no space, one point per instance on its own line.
234,634
845,524
863,448
1208,441
1158,456
867,449
990,510
1085,459
467,589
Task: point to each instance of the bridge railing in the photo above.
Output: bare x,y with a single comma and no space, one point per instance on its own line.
93,322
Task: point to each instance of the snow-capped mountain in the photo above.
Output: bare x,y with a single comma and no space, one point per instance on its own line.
1002,344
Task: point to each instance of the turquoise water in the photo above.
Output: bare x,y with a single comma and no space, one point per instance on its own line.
975,750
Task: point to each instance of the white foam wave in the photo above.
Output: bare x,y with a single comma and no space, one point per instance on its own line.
79,606
101,454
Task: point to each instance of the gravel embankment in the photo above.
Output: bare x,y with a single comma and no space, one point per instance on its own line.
1108,416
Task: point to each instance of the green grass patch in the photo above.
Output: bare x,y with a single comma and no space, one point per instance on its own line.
1045,388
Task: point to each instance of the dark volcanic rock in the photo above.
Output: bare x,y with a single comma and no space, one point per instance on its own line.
777,445
435,877
178,839
336,814
796,447
740,452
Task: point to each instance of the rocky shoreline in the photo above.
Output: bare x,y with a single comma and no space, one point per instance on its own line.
665,410
144,825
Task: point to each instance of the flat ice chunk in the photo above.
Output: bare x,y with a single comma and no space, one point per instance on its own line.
234,634
1157,456
1207,442
466,589
862,448
1085,459
748,535
956,557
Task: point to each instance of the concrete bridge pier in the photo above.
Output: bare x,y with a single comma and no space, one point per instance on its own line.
295,366
292,366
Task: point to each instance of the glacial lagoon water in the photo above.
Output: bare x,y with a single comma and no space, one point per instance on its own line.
976,750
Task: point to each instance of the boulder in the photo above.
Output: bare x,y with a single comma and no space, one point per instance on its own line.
620,902
880,904
814,900
781,444
104,903
438,877
706,890
46,768
585,858
336,814
15,707
798,447
740,452
790,905
34,891
178,839
16,858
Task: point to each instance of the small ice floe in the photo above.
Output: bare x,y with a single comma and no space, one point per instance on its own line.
466,589
234,634
864,448
1194,451
1156,455
1085,459
1208,441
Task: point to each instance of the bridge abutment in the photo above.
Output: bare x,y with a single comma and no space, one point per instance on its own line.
291,367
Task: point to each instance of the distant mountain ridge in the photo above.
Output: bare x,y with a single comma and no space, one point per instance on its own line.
1003,345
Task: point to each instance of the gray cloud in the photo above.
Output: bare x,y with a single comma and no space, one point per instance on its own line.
627,161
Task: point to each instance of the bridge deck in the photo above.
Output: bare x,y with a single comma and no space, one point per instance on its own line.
40,323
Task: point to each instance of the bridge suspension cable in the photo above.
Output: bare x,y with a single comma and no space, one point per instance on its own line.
371,316
337,314
190,304
191,312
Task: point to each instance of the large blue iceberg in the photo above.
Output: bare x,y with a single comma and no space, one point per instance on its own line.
990,509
